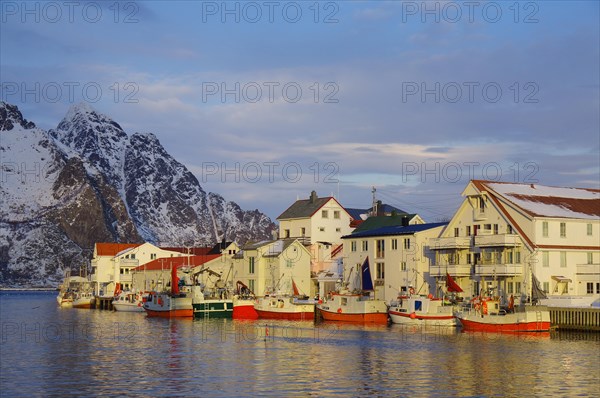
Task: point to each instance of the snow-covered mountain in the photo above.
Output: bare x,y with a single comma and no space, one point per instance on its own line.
88,181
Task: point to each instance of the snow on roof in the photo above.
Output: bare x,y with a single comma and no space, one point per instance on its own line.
546,201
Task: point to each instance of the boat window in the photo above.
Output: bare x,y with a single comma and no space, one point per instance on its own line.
418,305
344,301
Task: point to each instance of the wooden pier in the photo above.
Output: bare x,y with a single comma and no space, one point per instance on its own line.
575,318
104,303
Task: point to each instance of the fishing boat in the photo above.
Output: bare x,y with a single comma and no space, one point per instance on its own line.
128,301
422,310
170,304
83,299
357,306
243,302
282,306
70,291
65,298
427,310
486,315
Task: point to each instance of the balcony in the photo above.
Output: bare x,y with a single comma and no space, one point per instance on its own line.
588,269
498,269
451,242
488,240
452,269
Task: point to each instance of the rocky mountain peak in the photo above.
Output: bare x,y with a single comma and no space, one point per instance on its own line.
10,116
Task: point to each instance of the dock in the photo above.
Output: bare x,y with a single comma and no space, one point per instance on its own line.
104,303
570,318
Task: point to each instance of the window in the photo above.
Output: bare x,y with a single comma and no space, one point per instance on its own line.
403,266
365,245
481,205
322,229
495,229
286,233
380,268
251,284
563,259
250,265
545,259
509,288
353,246
289,263
380,248
597,287
336,214
469,258
590,288
133,256
487,227
563,230
518,287
509,257
394,244
517,257
468,230
510,230
456,232
546,287
303,231
589,230
324,214
407,243
153,256
590,258
338,230
545,229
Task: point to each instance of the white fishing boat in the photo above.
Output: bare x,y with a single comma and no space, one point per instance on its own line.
173,304
357,306
128,301
83,299
410,310
286,306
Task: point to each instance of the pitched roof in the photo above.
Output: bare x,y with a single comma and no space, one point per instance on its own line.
111,249
395,230
179,262
356,213
384,221
195,251
219,247
305,208
546,201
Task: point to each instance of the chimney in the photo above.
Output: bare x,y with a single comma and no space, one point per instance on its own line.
313,197
404,221
379,210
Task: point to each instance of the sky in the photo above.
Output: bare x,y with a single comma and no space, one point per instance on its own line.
266,101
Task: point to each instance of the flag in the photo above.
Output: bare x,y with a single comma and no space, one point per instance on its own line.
367,281
452,285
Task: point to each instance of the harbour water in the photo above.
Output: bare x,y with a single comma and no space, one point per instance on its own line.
49,351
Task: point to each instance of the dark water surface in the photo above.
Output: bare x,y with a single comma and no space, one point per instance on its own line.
49,351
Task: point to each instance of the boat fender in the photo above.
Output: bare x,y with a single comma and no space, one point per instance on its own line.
139,304
320,301
160,301
413,315
339,310
485,308
411,290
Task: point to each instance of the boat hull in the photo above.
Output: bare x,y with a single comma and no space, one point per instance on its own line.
358,318
213,309
128,307
180,313
531,321
244,309
290,316
415,318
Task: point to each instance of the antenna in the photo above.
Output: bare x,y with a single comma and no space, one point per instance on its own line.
374,205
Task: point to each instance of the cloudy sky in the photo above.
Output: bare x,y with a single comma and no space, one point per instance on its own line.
266,101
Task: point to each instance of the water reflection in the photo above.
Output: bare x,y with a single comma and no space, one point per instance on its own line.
89,352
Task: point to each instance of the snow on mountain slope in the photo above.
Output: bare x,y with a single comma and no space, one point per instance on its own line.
88,181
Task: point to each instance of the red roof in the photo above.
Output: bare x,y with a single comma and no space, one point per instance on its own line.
179,262
111,249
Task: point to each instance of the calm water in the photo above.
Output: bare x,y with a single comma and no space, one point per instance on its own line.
49,351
